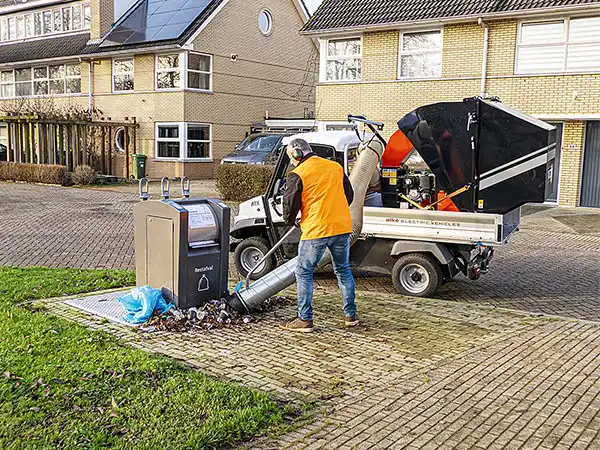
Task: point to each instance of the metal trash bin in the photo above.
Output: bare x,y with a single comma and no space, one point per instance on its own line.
139,166
182,248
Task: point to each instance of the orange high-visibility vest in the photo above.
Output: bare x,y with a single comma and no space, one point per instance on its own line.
325,211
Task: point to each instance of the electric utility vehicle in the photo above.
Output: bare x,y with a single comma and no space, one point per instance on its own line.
420,227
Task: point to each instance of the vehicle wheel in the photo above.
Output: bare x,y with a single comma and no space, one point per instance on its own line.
249,252
417,275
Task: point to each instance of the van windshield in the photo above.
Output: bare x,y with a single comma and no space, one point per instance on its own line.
259,143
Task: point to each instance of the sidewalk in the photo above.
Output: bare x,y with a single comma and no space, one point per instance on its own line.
420,374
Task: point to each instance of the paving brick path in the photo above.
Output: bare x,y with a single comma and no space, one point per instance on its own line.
421,374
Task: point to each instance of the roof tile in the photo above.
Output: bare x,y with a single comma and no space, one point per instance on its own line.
340,14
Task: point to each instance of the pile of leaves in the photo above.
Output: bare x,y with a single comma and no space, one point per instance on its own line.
214,315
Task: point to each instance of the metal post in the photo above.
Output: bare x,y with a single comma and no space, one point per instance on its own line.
9,143
103,152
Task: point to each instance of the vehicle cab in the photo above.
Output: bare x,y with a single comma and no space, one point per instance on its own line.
259,223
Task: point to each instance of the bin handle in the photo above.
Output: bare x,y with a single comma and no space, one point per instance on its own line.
185,187
165,188
144,189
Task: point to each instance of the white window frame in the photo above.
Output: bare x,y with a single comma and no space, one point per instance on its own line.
209,73
183,141
33,80
183,71
402,53
132,73
182,61
324,58
187,140
564,43
14,19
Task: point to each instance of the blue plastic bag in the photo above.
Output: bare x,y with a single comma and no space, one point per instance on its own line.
141,302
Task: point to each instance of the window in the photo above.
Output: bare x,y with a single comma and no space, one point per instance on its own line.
566,45
170,76
198,141
7,84
265,22
23,86
199,71
420,55
40,81
183,141
168,72
73,80
46,22
343,60
123,78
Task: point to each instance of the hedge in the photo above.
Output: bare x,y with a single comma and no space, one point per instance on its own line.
241,182
33,173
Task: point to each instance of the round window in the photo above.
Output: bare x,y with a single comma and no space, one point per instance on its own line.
265,22
120,138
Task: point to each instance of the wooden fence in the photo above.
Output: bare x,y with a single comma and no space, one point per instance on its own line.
72,143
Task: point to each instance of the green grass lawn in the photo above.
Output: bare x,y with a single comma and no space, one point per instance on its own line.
65,387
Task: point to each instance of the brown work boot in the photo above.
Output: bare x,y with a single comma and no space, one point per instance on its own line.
351,321
299,325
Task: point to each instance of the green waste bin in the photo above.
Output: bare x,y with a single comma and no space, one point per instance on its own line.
139,166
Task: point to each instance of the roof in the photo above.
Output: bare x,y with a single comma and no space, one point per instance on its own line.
56,47
148,22
336,139
344,14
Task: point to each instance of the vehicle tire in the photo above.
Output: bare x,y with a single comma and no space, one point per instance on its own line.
249,252
417,275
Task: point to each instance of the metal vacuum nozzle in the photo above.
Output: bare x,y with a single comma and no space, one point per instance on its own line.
284,276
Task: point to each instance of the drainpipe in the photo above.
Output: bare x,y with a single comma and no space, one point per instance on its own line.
91,85
486,40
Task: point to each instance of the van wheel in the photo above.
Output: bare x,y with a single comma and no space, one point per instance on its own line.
417,275
249,252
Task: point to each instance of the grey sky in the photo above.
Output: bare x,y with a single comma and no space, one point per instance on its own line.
312,4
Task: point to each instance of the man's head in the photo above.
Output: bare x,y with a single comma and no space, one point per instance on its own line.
297,150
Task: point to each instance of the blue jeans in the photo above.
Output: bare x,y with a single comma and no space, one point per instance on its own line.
310,254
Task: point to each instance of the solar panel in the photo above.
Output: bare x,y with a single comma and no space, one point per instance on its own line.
155,20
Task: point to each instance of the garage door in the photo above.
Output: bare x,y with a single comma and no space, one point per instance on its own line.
590,185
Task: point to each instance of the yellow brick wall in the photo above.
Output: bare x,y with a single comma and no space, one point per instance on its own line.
572,153
380,55
502,47
382,97
462,51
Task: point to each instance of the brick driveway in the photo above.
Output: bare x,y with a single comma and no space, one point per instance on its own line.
421,374
551,266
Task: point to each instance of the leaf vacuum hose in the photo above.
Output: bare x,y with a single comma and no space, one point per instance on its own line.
282,277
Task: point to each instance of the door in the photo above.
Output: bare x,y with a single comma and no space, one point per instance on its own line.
553,169
590,183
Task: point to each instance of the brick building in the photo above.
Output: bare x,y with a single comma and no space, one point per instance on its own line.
384,59
194,74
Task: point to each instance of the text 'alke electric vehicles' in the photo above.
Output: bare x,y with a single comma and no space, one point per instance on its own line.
423,227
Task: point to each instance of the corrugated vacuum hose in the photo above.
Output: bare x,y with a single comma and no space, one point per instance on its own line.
254,296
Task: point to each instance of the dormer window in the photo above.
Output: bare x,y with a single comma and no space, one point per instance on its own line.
59,20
